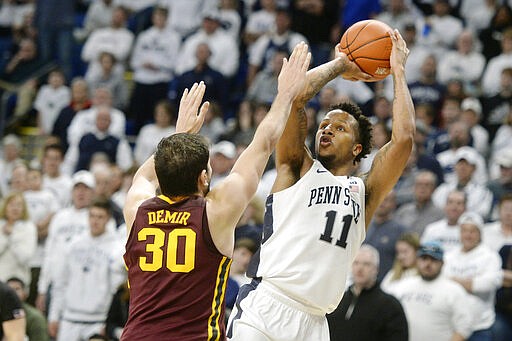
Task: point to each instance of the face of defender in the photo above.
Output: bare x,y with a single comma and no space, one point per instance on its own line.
336,137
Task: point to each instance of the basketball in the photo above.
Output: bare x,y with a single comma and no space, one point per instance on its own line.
368,44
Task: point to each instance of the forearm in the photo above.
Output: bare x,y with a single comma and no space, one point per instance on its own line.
403,126
271,128
318,77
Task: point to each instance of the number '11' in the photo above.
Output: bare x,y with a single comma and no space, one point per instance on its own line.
327,235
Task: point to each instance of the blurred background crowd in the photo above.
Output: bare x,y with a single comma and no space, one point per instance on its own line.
89,87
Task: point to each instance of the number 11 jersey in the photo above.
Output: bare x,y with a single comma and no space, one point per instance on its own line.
312,231
176,275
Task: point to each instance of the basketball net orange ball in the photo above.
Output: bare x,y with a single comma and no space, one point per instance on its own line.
368,44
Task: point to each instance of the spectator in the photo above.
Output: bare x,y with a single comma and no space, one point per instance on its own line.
264,87
41,205
12,320
10,158
421,211
223,46
496,65
108,78
365,311
260,22
22,66
36,325
383,233
427,89
478,269
441,29
447,231
57,183
263,49
472,114
117,149
436,307
185,15
222,157
50,100
503,135
152,133
492,34
116,39
18,238
496,234
465,63
477,15
98,15
83,291
398,14
460,148
85,121
55,32
502,185
65,226
479,198
502,328
104,176
80,100
404,265
496,108
230,18
217,87
153,60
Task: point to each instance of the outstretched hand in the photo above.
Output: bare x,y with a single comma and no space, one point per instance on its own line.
399,53
351,71
292,77
190,116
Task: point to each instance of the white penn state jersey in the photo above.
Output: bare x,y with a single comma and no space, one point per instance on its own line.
312,232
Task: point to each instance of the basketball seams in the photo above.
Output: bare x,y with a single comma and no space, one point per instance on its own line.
370,42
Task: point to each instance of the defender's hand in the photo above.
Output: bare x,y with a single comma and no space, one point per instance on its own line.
292,77
190,116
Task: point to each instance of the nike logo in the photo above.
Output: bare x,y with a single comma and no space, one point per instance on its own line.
321,171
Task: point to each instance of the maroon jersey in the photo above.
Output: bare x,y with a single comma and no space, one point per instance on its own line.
177,276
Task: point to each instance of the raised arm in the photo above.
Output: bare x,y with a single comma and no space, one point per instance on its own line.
145,182
292,156
228,199
391,159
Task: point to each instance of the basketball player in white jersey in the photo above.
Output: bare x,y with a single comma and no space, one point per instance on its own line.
317,214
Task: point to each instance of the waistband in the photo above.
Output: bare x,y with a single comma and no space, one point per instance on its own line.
285,299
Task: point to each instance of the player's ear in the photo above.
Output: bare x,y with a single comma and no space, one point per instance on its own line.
357,149
204,180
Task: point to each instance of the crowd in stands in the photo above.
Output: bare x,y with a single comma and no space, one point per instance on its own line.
99,81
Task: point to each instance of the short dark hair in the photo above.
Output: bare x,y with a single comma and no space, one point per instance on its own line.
17,280
364,133
102,203
179,160
53,146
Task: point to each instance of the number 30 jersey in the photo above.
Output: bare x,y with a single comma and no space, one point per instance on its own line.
312,232
177,277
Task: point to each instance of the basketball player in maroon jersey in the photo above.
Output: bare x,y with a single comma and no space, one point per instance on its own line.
179,243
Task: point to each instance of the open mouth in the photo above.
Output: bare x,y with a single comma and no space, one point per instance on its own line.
325,141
